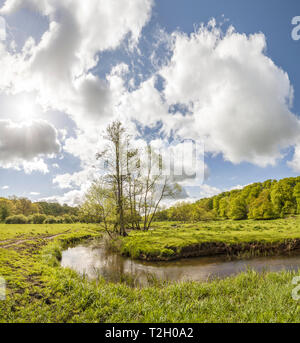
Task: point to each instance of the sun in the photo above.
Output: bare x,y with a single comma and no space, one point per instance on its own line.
27,110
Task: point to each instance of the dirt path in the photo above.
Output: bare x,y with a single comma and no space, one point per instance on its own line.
18,242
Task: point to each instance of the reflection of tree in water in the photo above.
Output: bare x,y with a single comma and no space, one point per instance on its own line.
115,268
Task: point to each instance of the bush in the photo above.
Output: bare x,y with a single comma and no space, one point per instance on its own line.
59,220
68,219
18,219
51,220
37,218
75,219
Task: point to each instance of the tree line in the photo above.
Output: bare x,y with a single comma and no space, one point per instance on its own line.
271,199
132,184
23,210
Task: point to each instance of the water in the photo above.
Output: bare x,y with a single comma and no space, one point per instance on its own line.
95,261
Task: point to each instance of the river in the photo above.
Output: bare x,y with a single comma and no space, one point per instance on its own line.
94,261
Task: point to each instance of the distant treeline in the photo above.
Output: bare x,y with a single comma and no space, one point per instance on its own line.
21,210
268,200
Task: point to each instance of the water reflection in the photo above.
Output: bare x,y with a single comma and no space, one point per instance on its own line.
96,261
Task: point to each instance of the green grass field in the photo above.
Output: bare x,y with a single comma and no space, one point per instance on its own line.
39,290
170,240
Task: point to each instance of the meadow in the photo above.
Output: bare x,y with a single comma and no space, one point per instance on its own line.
39,290
173,240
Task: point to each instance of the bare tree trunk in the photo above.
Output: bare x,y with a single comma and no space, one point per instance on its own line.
157,204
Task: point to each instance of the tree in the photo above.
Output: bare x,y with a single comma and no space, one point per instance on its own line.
156,185
224,207
296,194
282,197
99,205
262,207
24,206
238,209
135,178
114,159
5,209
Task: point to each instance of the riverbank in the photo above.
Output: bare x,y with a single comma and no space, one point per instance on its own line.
171,241
39,290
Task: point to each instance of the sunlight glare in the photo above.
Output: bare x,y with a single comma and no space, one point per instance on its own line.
27,110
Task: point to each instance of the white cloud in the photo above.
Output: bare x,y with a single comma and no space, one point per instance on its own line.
295,162
86,176
22,145
207,191
58,66
5,187
2,29
34,193
237,97
72,198
203,191
145,104
237,187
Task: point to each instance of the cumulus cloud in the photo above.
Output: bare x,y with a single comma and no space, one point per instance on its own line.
237,98
237,187
58,67
203,191
22,145
221,88
207,191
65,181
72,198
295,162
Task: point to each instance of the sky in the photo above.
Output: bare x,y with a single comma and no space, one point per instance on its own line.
224,74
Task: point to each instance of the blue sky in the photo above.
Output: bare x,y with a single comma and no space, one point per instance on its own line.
136,45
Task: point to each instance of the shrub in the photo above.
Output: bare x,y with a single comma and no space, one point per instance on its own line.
18,219
75,219
51,220
37,218
59,220
68,219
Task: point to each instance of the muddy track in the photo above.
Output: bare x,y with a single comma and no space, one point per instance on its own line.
18,242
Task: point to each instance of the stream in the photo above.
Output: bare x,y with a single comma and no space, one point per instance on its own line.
94,261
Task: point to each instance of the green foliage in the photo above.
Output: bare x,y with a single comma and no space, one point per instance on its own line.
37,218
238,209
55,209
38,211
52,220
5,209
260,201
17,219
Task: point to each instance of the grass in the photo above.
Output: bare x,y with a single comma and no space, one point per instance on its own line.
32,231
173,240
39,290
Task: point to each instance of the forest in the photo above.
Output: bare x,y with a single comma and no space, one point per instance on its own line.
23,211
271,199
